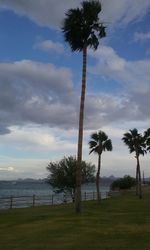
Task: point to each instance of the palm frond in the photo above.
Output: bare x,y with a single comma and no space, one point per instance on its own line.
92,150
102,136
99,142
135,141
147,133
92,144
94,137
81,26
107,146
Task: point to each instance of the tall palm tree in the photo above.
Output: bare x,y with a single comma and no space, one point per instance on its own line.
82,29
99,142
136,143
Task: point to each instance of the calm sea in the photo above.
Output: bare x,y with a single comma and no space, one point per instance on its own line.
8,189
26,194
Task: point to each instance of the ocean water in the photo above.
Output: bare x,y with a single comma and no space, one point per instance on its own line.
8,189
27,194
24,189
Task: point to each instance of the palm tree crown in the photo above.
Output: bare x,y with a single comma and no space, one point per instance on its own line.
82,28
99,143
135,142
147,138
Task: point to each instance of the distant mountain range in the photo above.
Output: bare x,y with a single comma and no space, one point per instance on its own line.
105,181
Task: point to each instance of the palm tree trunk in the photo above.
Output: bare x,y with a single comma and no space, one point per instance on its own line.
139,179
73,195
80,136
98,179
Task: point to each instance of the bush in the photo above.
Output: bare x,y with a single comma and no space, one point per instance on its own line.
62,174
124,183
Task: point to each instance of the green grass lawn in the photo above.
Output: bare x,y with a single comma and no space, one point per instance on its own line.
118,223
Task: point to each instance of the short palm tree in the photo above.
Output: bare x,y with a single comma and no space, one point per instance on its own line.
136,143
82,29
99,142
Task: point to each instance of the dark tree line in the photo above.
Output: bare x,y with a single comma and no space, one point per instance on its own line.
127,182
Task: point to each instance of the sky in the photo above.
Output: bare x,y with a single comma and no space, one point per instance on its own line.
40,85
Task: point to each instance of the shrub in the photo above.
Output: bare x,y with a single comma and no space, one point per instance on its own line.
124,183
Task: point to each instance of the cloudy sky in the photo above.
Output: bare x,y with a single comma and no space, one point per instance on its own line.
40,80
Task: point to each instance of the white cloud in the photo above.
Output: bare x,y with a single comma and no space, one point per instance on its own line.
49,46
39,139
27,138
51,12
9,169
132,75
57,143
46,13
122,12
32,92
40,145
42,94
139,36
22,168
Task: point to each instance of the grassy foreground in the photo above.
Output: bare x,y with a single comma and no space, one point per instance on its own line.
118,223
